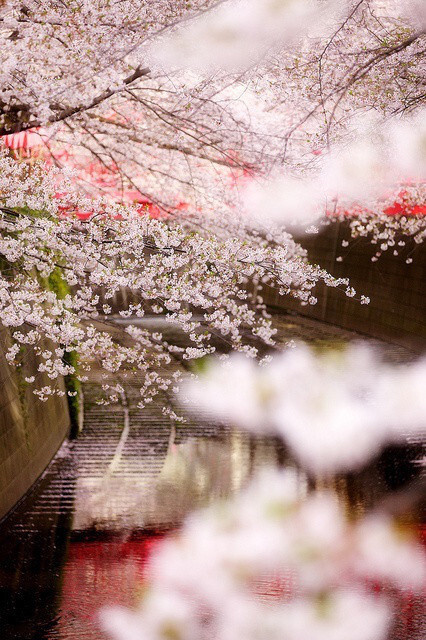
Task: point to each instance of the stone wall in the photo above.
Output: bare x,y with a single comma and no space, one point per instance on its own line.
31,431
397,311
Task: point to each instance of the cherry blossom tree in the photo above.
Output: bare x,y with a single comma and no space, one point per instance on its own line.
183,99
239,121
169,268
180,113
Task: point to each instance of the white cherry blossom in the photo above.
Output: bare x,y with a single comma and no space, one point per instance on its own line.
335,411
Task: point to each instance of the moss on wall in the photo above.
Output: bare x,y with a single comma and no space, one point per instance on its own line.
57,284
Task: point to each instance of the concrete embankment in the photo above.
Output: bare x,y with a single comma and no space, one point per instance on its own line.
397,311
31,431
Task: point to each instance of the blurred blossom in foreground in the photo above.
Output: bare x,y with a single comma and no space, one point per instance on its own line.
381,155
358,171
284,200
415,10
204,583
238,33
408,139
378,158
335,411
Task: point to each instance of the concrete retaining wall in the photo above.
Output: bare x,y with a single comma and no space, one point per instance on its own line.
30,431
397,311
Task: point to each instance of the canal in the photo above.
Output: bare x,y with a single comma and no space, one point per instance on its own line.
82,538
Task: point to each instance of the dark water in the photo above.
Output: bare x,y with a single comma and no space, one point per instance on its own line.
82,538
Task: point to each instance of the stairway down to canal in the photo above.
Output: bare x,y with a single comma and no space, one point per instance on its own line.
82,537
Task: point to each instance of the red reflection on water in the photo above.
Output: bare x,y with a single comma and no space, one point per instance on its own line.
101,573
110,571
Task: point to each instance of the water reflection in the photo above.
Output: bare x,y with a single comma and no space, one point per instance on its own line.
155,485
83,537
